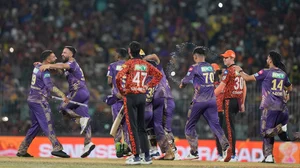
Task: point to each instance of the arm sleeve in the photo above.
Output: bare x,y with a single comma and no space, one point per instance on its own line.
157,75
261,75
120,75
225,77
109,71
72,66
287,82
189,76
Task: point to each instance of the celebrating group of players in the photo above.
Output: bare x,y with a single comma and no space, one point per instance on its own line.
210,82
140,91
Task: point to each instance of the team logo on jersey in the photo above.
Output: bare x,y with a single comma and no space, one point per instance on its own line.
119,67
140,67
46,75
277,75
226,72
206,69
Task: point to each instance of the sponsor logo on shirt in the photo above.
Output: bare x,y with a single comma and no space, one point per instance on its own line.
206,69
140,67
277,75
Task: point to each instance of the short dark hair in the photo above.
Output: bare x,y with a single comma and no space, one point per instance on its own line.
45,54
135,48
199,50
72,49
122,52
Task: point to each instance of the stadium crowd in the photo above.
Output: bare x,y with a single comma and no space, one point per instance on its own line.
97,27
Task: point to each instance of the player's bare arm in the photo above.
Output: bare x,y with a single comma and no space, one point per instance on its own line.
109,81
55,66
220,88
152,57
245,76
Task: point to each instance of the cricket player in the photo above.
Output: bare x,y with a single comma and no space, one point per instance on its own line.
78,92
113,69
275,94
201,75
234,88
136,71
41,116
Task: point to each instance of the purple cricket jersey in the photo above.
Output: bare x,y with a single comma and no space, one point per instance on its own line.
41,85
201,75
75,76
112,72
273,82
163,88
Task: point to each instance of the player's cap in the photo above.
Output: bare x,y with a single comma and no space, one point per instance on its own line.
215,66
228,53
142,53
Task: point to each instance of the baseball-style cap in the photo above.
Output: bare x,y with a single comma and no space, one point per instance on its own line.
215,66
228,53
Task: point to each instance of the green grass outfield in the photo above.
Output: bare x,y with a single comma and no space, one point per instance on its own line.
15,162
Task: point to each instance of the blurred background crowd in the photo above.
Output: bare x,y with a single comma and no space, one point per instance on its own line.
97,27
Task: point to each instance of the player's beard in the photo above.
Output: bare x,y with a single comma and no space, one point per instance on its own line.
65,59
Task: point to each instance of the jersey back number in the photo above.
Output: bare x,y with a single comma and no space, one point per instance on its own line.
139,78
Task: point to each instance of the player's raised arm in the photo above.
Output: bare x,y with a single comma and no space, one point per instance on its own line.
152,57
188,77
55,66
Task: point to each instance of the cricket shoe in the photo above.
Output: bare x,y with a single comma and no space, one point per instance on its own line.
60,153
234,159
227,154
146,160
268,159
220,158
192,156
84,123
133,161
24,155
155,155
88,149
177,156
